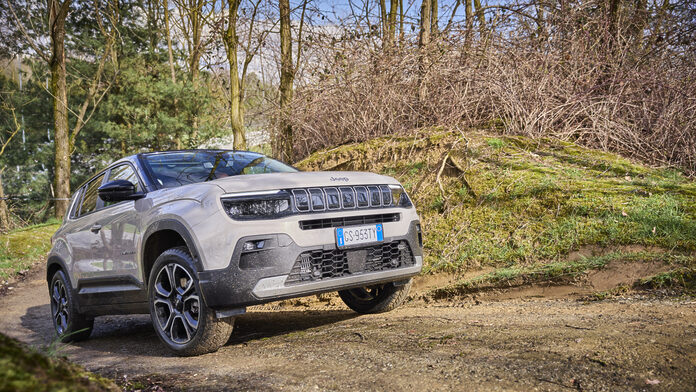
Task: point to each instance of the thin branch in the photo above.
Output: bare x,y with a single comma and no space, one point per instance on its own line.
299,36
31,42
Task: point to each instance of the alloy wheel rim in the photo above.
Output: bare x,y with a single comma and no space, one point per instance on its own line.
59,307
176,303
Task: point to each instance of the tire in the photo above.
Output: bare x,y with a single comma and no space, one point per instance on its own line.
70,325
180,317
376,299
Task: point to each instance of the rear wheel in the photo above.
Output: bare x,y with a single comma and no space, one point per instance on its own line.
70,325
181,319
377,298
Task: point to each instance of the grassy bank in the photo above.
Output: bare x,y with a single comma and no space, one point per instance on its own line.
25,369
20,249
518,204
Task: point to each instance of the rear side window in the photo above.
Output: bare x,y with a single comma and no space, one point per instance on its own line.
89,201
75,204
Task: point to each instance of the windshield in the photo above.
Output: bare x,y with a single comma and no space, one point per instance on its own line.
187,167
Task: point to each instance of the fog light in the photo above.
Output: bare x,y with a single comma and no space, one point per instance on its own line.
253,245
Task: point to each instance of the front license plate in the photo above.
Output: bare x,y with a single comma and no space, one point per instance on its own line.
358,235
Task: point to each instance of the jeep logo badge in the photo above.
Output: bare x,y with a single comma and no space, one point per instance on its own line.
343,179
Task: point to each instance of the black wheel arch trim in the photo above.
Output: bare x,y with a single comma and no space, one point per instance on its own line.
179,228
56,260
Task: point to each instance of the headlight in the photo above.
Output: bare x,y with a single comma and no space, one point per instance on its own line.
399,196
262,205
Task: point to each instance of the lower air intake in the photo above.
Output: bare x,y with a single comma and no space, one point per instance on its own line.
327,264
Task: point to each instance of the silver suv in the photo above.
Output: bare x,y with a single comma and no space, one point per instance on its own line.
193,237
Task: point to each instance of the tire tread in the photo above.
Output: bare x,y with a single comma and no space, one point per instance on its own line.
397,297
215,332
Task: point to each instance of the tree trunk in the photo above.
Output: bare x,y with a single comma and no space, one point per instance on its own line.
401,21
4,211
287,76
391,20
167,31
424,36
434,28
481,17
468,11
638,24
57,14
172,70
383,18
196,17
236,113
423,42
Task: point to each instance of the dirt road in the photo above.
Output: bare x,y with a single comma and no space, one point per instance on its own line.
517,344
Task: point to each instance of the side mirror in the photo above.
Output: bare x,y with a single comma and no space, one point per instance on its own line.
118,190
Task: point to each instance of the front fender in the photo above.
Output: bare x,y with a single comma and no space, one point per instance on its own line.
173,223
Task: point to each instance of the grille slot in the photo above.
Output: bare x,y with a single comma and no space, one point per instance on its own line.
314,224
327,264
345,198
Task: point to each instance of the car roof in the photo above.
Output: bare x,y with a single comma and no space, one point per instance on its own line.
195,150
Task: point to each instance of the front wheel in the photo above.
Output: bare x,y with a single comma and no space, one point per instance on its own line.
376,299
181,319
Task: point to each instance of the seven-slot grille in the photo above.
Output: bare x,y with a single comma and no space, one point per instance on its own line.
327,264
348,221
342,197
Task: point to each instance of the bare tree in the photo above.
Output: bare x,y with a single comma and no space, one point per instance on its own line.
64,137
287,75
255,38
231,42
285,146
57,13
193,16
388,21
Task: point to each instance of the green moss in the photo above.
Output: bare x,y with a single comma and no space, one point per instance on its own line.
19,249
22,369
495,142
681,278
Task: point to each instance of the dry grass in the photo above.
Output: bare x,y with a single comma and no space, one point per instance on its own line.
575,81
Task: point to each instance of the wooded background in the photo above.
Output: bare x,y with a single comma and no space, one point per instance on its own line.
86,82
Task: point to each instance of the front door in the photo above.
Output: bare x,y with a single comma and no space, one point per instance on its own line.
85,240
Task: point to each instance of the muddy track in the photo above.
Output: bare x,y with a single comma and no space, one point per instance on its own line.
632,343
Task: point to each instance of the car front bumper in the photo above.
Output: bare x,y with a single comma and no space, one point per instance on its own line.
271,274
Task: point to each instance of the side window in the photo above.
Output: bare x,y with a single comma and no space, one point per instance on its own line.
89,201
125,172
75,204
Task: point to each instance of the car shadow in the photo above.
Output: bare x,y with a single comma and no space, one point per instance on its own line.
135,335
260,325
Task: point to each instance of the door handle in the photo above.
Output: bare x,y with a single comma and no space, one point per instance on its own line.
95,228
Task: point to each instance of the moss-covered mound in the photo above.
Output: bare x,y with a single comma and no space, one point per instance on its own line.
20,249
22,369
515,202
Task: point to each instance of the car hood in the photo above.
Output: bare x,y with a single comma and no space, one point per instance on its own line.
270,181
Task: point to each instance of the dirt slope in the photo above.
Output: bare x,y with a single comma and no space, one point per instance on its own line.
487,344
